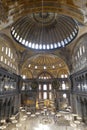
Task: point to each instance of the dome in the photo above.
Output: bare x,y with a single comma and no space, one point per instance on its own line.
48,60
44,63
44,31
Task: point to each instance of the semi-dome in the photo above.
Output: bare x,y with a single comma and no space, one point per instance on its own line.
44,31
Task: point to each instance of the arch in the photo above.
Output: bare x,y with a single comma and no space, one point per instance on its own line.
64,7
27,73
8,40
52,62
8,55
63,72
45,73
79,53
79,42
42,54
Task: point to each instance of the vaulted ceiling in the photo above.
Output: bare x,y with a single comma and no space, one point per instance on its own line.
44,63
12,10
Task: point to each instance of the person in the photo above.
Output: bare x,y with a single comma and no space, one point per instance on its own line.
55,119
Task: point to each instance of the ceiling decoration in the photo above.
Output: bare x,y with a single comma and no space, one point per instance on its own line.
44,63
44,30
3,16
12,10
45,59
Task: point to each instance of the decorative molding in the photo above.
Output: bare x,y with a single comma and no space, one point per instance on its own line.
3,15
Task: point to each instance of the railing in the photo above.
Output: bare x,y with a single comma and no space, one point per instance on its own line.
28,91
8,92
66,91
80,92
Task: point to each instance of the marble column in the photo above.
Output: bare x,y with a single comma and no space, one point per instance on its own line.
1,108
77,103
82,111
78,107
85,111
86,107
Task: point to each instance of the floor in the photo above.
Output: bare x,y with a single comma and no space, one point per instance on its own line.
45,121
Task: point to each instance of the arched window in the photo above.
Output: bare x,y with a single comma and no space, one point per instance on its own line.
45,88
7,54
44,75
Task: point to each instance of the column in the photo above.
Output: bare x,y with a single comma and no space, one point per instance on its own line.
85,110
82,111
1,108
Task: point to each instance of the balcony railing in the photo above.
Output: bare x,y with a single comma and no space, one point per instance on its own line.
81,92
8,92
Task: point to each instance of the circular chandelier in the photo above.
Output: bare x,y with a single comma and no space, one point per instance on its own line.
44,30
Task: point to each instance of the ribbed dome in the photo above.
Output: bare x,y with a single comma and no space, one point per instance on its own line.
46,59
44,31
44,64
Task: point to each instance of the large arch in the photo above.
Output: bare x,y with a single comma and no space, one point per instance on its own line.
44,62
45,74
79,56
72,8
8,56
